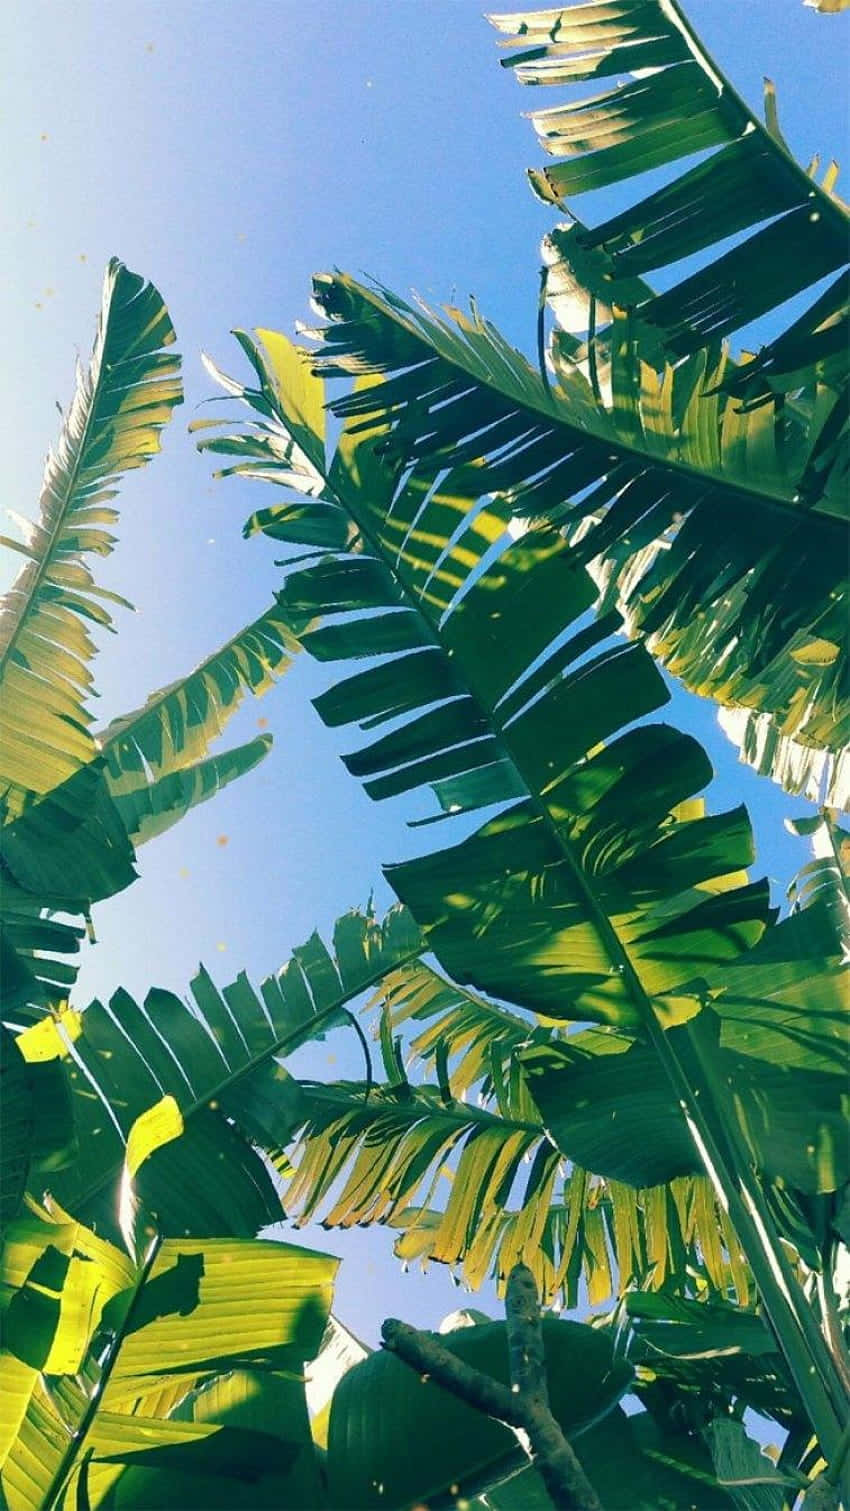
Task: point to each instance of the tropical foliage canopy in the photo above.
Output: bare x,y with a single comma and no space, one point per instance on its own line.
605,1055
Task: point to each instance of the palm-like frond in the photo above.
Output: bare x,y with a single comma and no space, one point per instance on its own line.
156,759
597,895
781,1009
66,850
149,811
431,597
680,106
824,883
591,870
481,1190
119,407
603,1229
175,726
34,966
806,770
688,509
469,1038
132,1370
73,846
217,1058
393,1140
691,1343
74,804
670,102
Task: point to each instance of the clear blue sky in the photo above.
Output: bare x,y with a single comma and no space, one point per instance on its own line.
227,152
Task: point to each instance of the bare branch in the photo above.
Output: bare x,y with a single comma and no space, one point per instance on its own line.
560,1469
525,1336
424,1352
525,1406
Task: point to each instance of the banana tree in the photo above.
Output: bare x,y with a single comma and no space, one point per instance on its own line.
78,801
140,1372
598,890
149,1374
682,576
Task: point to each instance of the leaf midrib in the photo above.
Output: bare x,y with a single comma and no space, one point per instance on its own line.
834,209
44,564
458,1113
599,917
774,501
734,1182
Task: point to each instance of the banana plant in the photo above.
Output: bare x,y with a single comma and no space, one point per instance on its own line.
666,101
598,890
471,1175
77,801
155,1369
218,1057
489,1096
120,405
176,1371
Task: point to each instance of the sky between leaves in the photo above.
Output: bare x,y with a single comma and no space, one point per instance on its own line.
227,152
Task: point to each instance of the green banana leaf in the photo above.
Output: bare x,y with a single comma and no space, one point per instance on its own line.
601,892
148,811
110,1363
65,843
688,509
75,845
704,1347
633,1464
507,725
200,1310
644,484
791,232
596,1096
218,1059
602,1231
121,402
18,1115
175,727
682,105
52,1139
753,1480
481,1190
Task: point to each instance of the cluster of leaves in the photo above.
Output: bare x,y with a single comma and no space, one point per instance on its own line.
626,1072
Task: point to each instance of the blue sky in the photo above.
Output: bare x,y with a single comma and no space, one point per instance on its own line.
227,152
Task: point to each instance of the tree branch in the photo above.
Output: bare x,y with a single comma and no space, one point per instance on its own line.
525,1406
425,1353
554,1457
